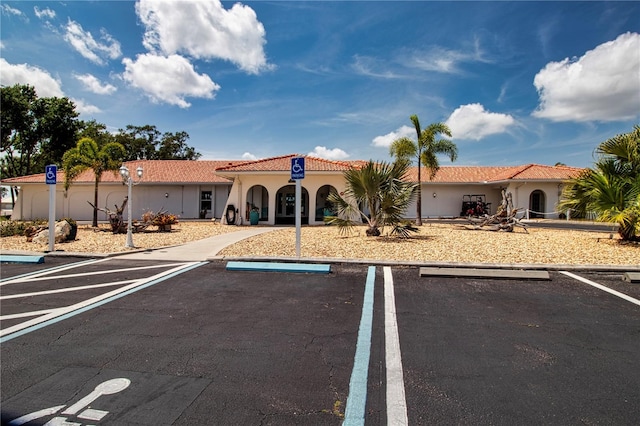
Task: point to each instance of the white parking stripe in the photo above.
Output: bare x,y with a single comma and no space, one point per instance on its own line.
65,290
601,287
396,400
86,274
18,329
27,314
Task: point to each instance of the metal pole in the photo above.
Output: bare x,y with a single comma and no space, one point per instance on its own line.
52,217
130,213
298,214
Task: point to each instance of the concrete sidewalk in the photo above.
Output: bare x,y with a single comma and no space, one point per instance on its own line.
197,251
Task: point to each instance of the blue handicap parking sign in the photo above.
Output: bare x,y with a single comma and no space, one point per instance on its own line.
297,168
50,173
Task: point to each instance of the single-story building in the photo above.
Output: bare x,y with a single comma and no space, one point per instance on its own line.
207,189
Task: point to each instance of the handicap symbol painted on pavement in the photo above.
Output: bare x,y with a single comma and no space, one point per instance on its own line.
77,410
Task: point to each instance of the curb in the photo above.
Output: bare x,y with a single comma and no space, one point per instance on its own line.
517,266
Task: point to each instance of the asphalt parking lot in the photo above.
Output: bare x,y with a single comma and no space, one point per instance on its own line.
186,344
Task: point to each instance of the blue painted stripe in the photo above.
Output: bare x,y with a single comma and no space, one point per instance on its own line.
46,271
97,304
19,258
357,399
279,267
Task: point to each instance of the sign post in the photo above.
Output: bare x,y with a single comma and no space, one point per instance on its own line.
51,172
297,174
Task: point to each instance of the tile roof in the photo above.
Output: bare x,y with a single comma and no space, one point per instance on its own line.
481,174
209,171
155,171
283,164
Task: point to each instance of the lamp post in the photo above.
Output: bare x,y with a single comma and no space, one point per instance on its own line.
128,179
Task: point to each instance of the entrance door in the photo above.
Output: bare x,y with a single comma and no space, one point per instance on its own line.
536,204
286,206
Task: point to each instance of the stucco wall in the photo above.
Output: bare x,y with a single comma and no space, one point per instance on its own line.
521,194
242,185
448,199
182,200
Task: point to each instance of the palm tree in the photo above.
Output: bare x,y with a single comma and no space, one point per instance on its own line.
426,150
377,193
612,188
88,155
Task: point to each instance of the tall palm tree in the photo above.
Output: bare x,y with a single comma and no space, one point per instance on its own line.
88,155
377,193
612,188
426,150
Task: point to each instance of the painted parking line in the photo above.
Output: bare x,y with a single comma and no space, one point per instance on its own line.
60,314
45,276
64,290
396,400
357,399
602,287
54,269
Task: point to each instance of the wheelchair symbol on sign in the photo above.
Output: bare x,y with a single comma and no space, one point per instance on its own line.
50,174
296,168
78,409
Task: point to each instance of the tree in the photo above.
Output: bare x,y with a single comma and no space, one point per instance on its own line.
379,189
425,150
611,189
147,143
88,155
35,131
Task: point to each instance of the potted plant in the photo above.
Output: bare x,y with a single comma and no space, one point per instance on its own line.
254,216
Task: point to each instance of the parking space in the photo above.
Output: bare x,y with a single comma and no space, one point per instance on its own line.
512,352
272,349
40,296
212,346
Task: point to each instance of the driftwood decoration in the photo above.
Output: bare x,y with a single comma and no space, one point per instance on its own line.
504,220
118,225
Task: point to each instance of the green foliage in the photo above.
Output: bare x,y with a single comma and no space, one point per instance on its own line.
612,188
88,155
10,228
378,194
147,143
35,131
425,150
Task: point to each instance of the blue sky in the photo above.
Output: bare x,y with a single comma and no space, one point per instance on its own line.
517,82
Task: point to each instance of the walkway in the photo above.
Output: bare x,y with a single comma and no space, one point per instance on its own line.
197,251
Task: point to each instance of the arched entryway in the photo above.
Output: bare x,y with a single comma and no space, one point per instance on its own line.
323,206
257,200
286,206
536,204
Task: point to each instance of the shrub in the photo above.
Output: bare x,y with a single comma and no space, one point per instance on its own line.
10,228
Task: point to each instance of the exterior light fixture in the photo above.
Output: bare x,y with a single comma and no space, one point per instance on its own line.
128,180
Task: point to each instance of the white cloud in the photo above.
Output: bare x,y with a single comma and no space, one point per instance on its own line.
8,10
168,79
248,156
205,30
94,85
44,13
472,121
443,60
88,47
46,86
602,85
385,141
371,67
329,154
83,108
